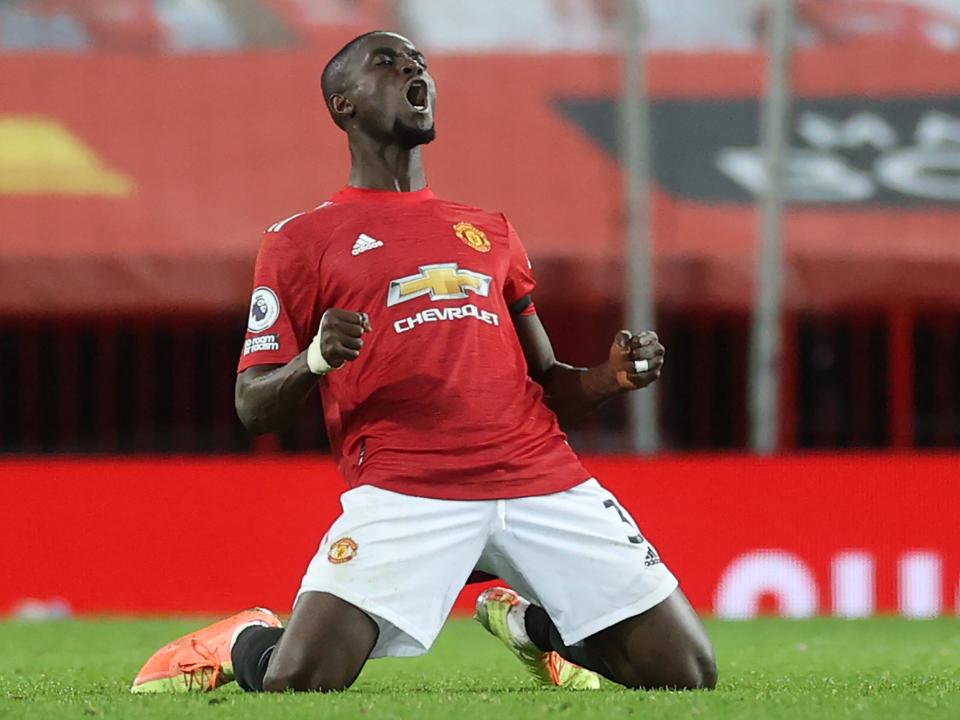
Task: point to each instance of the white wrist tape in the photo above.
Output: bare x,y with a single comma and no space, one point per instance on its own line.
315,360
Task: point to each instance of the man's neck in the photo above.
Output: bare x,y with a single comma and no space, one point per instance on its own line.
385,167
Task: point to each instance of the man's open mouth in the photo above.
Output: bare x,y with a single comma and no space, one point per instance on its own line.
418,95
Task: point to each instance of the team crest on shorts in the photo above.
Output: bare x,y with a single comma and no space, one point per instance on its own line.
343,550
472,236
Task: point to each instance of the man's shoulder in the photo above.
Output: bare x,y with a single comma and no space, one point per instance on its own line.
473,212
323,216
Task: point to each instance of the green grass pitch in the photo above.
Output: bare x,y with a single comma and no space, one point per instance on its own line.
877,669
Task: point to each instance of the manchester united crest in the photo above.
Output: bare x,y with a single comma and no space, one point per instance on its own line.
343,550
472,236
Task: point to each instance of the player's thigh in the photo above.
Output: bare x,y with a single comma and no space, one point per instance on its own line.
664,647
400,559
324,646
582,557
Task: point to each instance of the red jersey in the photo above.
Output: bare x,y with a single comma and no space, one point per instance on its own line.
439,403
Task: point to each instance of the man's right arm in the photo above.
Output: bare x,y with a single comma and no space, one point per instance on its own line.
269,398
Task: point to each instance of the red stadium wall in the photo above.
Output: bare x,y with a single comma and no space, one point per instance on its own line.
847,535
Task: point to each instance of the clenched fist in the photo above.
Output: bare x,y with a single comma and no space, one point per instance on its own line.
339,340
636,360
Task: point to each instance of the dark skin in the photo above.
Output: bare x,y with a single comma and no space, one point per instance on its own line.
328,640
270,397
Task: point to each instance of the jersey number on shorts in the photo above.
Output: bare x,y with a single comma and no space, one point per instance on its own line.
635,539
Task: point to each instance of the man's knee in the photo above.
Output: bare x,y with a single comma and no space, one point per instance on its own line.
701,673
694,673
667,647
324,647
695,670
680,668
321,678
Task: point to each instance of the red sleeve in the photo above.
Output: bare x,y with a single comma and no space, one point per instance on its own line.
281,318
520,280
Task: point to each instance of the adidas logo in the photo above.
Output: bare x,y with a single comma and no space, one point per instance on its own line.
364,243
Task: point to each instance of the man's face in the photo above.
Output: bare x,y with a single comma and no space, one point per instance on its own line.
392,93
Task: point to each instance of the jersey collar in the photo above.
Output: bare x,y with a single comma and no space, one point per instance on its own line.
349,193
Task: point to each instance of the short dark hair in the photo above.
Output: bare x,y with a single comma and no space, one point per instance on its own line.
331,81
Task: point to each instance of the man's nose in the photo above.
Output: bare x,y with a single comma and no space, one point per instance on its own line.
411,66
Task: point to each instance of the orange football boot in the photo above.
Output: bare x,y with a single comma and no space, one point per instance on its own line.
200,661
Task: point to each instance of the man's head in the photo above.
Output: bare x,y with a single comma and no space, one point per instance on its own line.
378,86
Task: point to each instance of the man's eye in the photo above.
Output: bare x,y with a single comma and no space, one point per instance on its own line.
384,61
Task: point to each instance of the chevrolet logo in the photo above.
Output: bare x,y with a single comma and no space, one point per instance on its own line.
445,281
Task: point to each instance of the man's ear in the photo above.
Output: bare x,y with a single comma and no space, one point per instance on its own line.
341,107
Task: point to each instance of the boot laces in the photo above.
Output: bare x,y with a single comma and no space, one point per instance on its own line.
205,671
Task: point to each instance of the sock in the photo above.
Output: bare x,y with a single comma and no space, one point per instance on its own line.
251,653
544,634
517,623
537,624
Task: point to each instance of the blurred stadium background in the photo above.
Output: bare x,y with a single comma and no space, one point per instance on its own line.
145,144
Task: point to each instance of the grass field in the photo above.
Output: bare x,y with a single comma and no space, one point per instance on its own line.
877,669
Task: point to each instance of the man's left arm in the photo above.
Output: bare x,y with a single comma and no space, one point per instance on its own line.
634,361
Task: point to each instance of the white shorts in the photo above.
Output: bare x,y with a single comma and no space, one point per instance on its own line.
404,559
